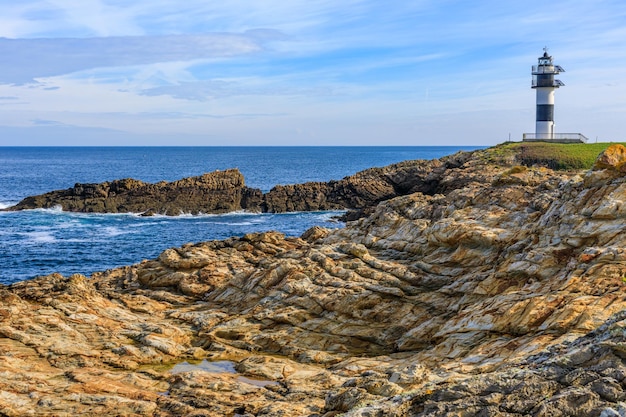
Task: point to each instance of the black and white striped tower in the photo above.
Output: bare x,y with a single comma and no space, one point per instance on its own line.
545,84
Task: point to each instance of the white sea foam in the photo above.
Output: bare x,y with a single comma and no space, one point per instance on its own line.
89,215
112,231
238,213
237,223
55,210
144,224
40,237
330,216
76,240
184,216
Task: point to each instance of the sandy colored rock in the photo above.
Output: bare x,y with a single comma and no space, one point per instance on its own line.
612,158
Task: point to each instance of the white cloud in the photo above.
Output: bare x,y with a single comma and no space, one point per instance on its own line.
216,89
34,58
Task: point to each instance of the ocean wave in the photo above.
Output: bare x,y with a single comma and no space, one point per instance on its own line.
331,216
39,237
71,224
250,223
84,240
146,224
307,213
78,214
112,231
186,216
205,215
59,210
56,210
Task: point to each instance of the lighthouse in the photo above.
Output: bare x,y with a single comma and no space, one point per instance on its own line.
545,84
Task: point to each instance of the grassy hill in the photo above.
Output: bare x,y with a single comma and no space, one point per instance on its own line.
558,156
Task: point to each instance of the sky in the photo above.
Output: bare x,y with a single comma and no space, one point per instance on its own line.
304,72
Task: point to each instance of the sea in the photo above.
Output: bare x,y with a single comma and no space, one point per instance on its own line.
41,242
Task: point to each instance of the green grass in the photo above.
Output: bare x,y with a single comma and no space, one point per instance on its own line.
557,156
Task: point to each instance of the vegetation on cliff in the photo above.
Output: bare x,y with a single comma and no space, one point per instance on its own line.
557,156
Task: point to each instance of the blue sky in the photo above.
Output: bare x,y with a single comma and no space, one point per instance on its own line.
304,72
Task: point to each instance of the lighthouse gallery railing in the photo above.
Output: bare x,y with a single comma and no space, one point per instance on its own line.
574,137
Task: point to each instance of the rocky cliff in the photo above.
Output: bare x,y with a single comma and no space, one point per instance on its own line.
216,192
224,191
362,191
498,291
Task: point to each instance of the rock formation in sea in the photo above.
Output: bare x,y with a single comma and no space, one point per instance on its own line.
215,192
498,291
224,191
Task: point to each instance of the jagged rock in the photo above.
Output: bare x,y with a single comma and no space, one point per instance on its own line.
472,296
224,191
216,192
612,158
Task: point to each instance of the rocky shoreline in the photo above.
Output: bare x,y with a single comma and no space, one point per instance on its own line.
494,290
225,191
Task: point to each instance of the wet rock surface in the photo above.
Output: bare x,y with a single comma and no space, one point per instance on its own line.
499,293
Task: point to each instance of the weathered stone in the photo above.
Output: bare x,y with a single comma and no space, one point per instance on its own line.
471,296
216,192
612,158
224,191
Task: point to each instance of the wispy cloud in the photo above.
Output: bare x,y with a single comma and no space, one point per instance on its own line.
37,58
216,89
